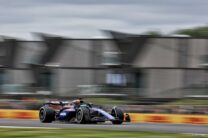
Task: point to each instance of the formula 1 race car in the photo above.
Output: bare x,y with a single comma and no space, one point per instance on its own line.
80,112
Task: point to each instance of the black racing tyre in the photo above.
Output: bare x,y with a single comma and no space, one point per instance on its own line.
83,115
118,114
46,115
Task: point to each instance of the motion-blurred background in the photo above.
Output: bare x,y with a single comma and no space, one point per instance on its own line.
135,71
146,60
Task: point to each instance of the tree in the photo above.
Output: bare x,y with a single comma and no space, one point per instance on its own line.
194,32
153,33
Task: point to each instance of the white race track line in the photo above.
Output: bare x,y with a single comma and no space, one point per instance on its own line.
196,134
28,127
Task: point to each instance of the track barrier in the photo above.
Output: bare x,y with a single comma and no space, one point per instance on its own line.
135,117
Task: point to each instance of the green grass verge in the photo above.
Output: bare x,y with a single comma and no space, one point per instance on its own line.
105,101
83,133
189,102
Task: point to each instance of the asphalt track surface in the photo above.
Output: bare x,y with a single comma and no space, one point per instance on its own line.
156,127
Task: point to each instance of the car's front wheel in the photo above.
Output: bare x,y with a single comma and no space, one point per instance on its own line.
118,114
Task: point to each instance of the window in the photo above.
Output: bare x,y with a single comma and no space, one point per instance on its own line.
116,79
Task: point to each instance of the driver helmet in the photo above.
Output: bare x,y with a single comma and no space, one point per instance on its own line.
77,102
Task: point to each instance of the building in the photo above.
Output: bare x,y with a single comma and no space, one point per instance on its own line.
146,66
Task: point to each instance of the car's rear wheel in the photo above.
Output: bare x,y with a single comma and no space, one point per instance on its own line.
46,115
83,115
118,114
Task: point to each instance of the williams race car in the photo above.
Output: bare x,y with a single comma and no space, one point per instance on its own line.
80,112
